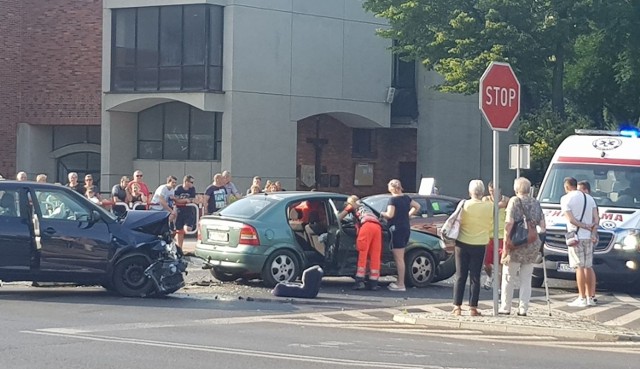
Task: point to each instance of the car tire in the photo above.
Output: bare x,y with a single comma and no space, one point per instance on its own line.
537,282
223,276
281,266
420,268
128,276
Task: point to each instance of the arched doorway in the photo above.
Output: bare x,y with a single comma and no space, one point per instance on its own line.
83,163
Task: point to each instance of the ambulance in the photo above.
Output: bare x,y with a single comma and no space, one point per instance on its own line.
610,161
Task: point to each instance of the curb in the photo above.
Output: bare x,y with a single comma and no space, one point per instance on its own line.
505,327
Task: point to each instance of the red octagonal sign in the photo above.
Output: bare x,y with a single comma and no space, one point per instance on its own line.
499,96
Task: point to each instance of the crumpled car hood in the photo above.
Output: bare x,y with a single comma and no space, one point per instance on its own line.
147,221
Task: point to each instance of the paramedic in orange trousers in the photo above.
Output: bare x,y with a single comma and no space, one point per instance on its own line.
368,243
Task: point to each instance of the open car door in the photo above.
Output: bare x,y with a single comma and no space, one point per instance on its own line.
16,248
342,239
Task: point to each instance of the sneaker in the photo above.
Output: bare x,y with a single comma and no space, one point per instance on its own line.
578,302
488,284
591,301
394,287
359,286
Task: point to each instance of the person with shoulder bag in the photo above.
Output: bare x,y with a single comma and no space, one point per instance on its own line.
522,211
475,226
581,212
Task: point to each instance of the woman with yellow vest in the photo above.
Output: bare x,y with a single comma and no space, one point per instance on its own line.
488,256
475,223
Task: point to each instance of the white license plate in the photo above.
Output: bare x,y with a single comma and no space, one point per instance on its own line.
564,267
218,236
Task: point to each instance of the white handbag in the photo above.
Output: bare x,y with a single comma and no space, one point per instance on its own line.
451,228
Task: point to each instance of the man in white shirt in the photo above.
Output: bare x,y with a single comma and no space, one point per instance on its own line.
163,198
581,213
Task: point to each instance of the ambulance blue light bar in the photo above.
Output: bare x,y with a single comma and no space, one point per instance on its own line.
633,132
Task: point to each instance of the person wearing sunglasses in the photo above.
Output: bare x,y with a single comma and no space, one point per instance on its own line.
186,220
137,179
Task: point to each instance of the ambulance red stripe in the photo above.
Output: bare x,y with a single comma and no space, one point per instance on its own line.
608,161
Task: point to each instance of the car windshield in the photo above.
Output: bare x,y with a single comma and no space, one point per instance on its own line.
378,203
247,207
613,186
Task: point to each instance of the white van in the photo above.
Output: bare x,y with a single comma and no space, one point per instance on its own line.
610,161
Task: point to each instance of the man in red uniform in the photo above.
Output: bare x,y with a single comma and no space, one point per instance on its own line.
368,243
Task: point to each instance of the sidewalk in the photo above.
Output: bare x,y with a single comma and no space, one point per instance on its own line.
538,322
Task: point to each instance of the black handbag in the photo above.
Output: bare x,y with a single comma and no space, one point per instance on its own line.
523,231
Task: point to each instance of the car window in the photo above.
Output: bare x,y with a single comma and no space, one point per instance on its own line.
60,205
377,203
443,206
424,206
9,206
247,207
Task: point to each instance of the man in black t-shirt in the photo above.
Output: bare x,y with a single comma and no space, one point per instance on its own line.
215,195
186,219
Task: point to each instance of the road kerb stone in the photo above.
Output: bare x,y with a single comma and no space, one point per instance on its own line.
562,331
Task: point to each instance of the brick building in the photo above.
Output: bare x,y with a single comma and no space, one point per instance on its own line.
50,87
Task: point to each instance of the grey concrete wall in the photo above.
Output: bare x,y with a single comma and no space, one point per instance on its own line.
455,144
34,145
284,60
119,136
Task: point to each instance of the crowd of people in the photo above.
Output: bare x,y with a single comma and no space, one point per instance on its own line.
172,197
473,245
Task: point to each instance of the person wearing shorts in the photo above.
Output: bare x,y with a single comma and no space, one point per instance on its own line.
488,255
186,219
400,208
581,213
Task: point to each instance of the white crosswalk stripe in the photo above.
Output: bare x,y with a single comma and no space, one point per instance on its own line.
624,319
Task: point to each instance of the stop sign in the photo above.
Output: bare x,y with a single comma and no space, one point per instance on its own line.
499,96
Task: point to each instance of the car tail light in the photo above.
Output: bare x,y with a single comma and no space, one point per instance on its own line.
249,236
199,233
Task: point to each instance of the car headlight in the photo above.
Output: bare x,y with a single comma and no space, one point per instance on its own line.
170,248
628,240
442,244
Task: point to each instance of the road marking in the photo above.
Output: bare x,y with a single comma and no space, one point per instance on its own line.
625,298
358,315
624,319
592,310
242,352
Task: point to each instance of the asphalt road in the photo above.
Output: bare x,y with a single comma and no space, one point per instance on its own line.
87,327
241,325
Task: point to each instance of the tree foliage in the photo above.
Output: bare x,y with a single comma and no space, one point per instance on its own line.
578,61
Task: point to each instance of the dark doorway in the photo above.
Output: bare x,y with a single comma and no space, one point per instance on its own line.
82,163
407,171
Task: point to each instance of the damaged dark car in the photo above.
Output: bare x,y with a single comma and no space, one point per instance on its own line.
50,233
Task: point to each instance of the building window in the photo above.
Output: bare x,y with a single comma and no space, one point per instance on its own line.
168,48
177,131
70,135
362,143
405,101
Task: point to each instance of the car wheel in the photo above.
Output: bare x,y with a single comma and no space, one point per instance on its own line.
537,281
281,266
420,268
128,276
224,277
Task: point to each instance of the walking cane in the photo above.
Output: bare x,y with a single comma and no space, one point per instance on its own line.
543,238
546,286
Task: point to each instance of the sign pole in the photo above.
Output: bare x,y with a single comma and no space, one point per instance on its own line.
518,166
499,102
497,195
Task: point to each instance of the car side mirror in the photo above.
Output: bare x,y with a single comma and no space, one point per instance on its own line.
95,217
